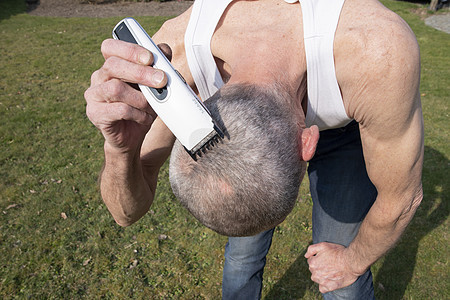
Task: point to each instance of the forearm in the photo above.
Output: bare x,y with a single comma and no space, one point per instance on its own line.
124,189
380,231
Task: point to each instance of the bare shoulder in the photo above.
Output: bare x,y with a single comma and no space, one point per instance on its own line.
368,30
378,69
377,60
174,28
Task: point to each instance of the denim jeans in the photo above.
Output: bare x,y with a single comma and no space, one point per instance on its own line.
342,195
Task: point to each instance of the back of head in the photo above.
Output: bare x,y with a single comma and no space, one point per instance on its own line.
248,182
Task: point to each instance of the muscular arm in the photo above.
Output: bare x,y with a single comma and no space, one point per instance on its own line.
392,140
128,180
391,122
136,143
383,96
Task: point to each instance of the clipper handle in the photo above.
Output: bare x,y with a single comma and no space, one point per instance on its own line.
176,104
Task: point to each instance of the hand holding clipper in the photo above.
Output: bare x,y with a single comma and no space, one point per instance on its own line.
176,104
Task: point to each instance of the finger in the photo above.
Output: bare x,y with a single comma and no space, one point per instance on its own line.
103,114
323,289
315,278
117,91
96,78
115,67
313,250
128,51
329,286
122,111
310,261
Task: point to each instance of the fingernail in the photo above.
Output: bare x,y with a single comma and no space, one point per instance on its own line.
144,58
158,77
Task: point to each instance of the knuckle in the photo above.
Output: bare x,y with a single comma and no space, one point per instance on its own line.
105,46
143,104
114,88
112,64
95,77
87,94
123,110
108,64
333,286
141,74
133,53
90,113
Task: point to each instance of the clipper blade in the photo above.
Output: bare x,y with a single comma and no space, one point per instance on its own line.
206,144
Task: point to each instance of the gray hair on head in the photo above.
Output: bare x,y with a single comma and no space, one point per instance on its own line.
249,182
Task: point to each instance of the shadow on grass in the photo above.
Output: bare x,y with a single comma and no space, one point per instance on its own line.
398,268
9,8
294,283
417,1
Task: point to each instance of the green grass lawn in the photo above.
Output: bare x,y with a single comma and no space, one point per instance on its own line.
57,239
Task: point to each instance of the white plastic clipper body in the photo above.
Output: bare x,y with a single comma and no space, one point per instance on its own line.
176,104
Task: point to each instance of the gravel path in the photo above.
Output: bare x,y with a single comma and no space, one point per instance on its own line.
440,22
72,8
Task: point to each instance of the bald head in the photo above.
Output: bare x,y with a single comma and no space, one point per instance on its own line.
248,182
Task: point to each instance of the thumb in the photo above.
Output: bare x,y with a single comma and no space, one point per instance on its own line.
166,50
313,250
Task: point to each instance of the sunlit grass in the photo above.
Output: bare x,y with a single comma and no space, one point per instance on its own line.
57,239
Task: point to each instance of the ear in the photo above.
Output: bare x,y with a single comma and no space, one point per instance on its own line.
308,139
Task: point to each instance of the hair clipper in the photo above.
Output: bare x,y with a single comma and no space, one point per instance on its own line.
176,104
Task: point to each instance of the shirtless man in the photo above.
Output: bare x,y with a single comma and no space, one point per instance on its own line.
377,69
